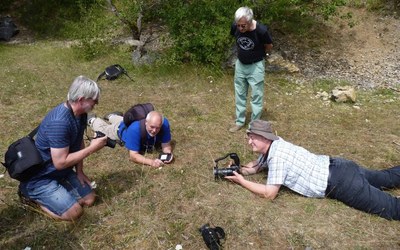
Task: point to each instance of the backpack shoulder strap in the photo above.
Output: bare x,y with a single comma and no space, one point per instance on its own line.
33,132
143,132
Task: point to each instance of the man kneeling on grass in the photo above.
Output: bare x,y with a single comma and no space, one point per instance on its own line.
317,176
61,188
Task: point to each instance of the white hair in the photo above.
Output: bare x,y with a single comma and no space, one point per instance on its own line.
245,12
83,87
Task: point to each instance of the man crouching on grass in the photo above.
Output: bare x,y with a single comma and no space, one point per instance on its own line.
61,188
317,176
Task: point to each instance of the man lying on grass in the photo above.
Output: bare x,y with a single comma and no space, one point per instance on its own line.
317,176
156,136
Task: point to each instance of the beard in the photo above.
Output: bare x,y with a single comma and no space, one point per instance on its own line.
87,108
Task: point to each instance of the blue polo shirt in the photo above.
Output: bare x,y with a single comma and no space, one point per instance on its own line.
131,136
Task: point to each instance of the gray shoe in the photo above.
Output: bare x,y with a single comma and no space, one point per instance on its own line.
107,116
235,128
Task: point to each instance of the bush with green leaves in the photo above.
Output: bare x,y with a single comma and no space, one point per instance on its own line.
51,18
199,29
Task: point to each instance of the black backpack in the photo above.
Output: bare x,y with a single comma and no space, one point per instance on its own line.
138,112
8,28
113,72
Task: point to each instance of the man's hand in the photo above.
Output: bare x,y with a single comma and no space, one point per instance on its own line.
156,163
83,178
98,143
237,178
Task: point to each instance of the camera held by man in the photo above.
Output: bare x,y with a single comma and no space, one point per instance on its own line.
220,173
110,143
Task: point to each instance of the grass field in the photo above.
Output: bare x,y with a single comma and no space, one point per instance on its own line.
143,208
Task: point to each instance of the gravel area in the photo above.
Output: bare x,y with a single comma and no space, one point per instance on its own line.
367,55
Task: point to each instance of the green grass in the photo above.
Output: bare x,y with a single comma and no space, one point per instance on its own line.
142,208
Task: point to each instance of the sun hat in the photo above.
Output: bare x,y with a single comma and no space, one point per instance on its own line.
262,128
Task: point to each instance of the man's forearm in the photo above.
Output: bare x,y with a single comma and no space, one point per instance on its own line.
260,189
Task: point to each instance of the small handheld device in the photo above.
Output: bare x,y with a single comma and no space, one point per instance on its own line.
165,157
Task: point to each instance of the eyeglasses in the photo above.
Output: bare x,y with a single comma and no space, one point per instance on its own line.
96,101
241,25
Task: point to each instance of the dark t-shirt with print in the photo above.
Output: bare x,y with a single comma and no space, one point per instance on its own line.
250,44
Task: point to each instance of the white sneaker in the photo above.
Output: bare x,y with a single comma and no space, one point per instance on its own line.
90,118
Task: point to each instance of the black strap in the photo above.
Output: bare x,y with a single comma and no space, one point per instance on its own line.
33,132
143,132
123,70
126,73
101,76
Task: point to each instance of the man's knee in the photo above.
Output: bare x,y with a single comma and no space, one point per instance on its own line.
73,213
88,200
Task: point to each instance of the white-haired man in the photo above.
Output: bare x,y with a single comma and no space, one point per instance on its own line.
253,42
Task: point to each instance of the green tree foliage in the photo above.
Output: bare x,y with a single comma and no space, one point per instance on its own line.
200,29
50,18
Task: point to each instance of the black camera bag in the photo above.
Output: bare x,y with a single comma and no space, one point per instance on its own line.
22,159
212,236
113,72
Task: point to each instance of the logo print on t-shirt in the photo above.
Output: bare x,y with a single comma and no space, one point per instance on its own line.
245,43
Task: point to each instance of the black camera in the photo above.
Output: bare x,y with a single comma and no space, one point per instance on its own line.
212,236
220,173
110,143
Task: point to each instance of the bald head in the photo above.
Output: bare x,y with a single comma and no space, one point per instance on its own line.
154,121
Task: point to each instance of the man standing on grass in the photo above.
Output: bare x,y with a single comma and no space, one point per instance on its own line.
317,176
253,43
61,188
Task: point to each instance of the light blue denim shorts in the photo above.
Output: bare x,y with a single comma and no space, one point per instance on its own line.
59,195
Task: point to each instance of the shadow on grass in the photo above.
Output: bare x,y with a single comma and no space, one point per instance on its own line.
115,183
20,227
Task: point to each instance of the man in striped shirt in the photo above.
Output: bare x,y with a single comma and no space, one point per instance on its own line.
61,188
317,176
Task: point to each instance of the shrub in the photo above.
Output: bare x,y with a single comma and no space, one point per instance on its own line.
200,29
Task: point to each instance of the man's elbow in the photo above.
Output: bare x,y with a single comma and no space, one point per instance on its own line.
269,196
134,156
59,165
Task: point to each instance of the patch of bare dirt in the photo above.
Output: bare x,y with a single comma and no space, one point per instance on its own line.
366,54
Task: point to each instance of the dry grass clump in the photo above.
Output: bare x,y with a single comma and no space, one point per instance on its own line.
143,208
